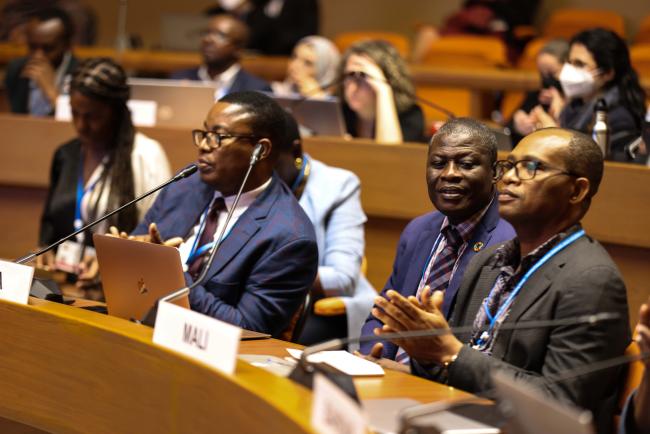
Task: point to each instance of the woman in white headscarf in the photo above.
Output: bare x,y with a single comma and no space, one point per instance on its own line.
312,68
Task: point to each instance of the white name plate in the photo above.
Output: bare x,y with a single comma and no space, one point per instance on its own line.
198,336
334,412
15,282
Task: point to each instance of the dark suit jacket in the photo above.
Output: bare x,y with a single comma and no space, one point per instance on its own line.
18,87
243,80
413,250
265,266
579,280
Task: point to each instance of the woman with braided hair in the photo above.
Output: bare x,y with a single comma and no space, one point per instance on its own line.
107,165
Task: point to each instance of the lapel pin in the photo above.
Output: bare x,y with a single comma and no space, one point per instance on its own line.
478,246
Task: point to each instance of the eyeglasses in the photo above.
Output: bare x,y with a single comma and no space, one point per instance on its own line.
216,35
355,76
525,169
215,140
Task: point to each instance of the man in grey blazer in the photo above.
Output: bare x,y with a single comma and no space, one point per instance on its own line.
552,270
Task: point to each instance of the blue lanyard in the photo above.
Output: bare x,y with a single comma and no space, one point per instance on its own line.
81,192
197,253
301,175
502,309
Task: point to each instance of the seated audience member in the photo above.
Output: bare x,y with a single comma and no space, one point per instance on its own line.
549,61
331,198
551,271
276,25
598,67
378,95
436,248
34,82
267,262
107,165
311,70
497,18
636,414
221,47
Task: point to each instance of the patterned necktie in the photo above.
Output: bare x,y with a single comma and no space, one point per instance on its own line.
39,105
444,263
207,236
440,272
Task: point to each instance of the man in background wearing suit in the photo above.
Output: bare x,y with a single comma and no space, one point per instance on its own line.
221,47
268,259
435,248
551,271
34,82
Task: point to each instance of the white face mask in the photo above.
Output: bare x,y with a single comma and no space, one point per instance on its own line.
229,5
576,82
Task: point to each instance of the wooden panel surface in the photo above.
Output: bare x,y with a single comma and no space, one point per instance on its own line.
68,370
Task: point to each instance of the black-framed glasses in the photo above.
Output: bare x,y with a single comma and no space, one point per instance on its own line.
525,169
355,76
214,139
217,35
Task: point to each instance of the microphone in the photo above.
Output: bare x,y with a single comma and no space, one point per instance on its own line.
150,317
182,174
304,371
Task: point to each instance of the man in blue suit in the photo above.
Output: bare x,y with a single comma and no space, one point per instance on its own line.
269,257
435,248
221,46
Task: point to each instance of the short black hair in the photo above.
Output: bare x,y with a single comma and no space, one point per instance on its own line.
267,117
291,133
584,158
53,13
485,138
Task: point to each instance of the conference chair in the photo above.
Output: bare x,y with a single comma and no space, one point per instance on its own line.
631,381
640,58
334,306
566,22
344,40
643,35
459,51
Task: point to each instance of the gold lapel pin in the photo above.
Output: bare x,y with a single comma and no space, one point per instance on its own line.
478,246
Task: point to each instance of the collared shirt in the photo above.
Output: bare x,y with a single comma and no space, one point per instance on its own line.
39,105
466,230
512,268
245,201
222,82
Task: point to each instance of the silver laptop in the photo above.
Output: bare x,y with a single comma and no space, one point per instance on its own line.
180,103
136,274
529,411
316,117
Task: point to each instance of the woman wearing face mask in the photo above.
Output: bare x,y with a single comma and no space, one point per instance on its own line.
311,70
378,95
598,67
549,61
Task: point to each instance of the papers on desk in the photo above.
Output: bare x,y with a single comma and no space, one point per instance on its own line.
343,361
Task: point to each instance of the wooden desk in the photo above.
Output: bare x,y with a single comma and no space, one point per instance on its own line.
393,192
69,370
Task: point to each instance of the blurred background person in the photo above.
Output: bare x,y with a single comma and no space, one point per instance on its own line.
34,82
105,166
311,70
221,48
598,67
276,25
550,59
331,199
377,94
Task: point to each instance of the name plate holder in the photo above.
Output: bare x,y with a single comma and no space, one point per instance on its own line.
197,336
333,411
15,282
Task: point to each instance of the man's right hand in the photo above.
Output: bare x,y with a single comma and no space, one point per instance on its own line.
152,237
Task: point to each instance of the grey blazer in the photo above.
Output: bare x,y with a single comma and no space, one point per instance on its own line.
580,280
